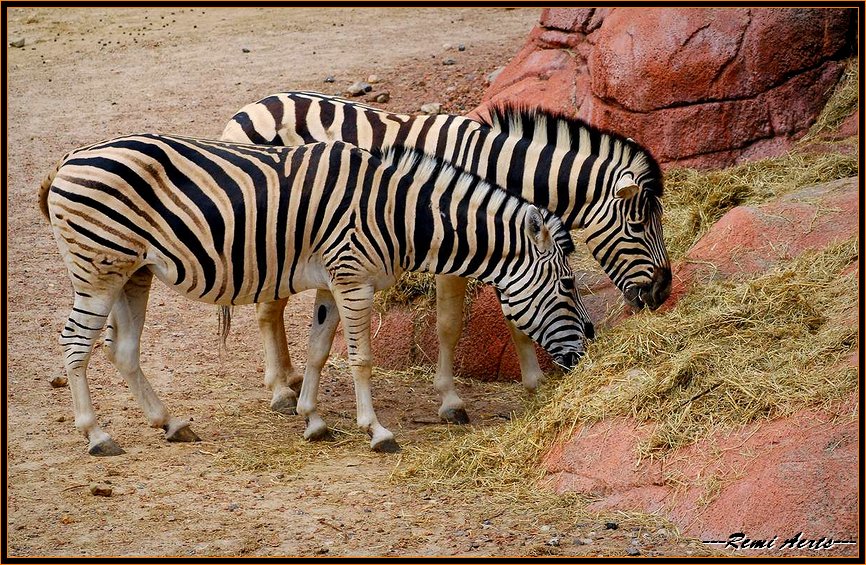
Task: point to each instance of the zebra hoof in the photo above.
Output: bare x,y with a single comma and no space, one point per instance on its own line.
456,416
388,445
317,432
180,432
285,405
105,448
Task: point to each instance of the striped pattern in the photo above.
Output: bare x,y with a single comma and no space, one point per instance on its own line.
558,163
238,224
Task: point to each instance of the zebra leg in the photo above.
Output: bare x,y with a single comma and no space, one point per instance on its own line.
355,304
324,326
530,372
82,328
450,294
280,377
124,351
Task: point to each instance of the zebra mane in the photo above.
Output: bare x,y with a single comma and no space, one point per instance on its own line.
550,127
423,165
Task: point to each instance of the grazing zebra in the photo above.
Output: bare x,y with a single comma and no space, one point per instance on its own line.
600,182
238,224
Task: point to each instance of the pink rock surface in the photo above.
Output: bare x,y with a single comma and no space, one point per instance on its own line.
700,87
751,239
779,478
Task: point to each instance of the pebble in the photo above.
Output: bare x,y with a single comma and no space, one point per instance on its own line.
431,108
461,47
359,88
611,526
632,550
245,50
232,507
383,97
448,61
492,76
373,79
58,381
330,78
97,489
553,542
17,43
585,541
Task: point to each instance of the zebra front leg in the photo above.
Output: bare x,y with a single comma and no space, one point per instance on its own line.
450,295
325,318
355,304
530,371
124,351
280,377
82,328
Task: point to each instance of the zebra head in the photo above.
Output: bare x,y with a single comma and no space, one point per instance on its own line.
625,231
539,294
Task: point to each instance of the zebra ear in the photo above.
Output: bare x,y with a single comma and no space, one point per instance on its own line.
537,230
626,187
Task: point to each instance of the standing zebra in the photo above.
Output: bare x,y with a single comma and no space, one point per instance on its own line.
238,224
600,182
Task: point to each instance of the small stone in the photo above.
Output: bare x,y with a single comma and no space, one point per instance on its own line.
431,108
383,97
585,541
232,507
448,61
373,79
632,550
491,77
97,489
553,542
17,43
544,528
358,88
446,46
461,47
611,526
61,418
330,78
59,381
245,50
322,551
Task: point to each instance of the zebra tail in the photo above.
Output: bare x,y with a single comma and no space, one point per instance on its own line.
224,317
46,186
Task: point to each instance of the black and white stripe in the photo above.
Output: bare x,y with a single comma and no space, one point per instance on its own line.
238,224
551,160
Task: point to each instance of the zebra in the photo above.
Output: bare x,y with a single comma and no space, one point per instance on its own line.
600,182
234,224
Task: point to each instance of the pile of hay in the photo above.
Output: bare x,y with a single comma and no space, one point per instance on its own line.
730,353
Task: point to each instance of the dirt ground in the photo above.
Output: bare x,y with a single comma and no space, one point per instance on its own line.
87,74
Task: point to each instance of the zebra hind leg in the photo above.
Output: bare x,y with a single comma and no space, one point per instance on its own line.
280,376
325,319
84,325
124,351
450,294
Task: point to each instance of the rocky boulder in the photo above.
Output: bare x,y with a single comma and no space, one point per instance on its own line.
795,474
699,87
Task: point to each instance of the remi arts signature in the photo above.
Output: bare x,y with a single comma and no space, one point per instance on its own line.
739,541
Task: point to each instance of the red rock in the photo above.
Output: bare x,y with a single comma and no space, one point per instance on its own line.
751,239
784,476
698,87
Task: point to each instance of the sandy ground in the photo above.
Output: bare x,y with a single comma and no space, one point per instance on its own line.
87,74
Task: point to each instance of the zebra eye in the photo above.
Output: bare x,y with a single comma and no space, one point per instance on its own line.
636,227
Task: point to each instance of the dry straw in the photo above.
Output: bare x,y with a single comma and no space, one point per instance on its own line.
730,353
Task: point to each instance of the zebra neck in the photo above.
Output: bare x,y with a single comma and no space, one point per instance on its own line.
570,177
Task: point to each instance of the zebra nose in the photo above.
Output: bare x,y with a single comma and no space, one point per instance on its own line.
589,330
661,287
568,361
